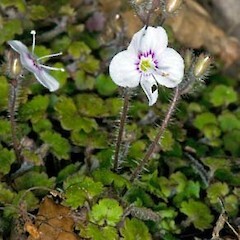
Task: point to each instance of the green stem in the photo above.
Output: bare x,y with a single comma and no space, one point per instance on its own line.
155,142
121,129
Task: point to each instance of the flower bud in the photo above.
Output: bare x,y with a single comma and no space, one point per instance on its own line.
202,65
16,67
188,59
14,64
172,5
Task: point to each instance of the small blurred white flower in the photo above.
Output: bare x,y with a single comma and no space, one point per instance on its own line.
30,62
148,61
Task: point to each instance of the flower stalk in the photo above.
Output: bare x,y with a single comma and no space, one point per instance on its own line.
12,110
121,129
160,133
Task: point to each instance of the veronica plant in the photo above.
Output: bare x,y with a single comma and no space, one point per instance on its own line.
30,62
148,62
22,58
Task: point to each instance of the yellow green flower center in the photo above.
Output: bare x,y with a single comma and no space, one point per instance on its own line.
145,65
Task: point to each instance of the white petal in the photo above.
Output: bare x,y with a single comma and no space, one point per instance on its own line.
29,62
47,80
123,69
152,38
171,68
18,46
150,88
27,59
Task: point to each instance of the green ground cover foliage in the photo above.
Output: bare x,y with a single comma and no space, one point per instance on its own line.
68,138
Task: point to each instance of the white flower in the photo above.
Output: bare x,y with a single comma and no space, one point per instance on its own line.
31,63
148,61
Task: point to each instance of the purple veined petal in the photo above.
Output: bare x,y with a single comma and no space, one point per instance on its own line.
149,86
18,46
29,62
123,69
46,80
170,68
149,39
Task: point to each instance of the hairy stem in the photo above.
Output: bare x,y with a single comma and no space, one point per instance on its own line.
12,108
155,142
121,129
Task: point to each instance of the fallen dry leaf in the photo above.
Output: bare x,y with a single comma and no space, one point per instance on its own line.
54,222
32,230
194,28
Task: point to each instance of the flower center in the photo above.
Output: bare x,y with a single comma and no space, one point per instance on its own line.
146,63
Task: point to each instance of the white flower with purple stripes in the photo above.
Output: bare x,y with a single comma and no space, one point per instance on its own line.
30,62
148,61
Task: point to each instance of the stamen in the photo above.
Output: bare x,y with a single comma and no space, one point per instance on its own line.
50,55
33,32
52,68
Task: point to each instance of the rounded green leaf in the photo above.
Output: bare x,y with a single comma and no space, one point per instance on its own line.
7,157
83,81
90,105
105,86
198,213
228,122
204,119
79,49
113,106
222,95
42,125
107,178
65,106
34,179
38,12
216,163
20,5
5,131
135,229
59,146
231,205
217,190
34,109
93,139
11,27
231,141
79,189
6,195
107,210
101,233
90,64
